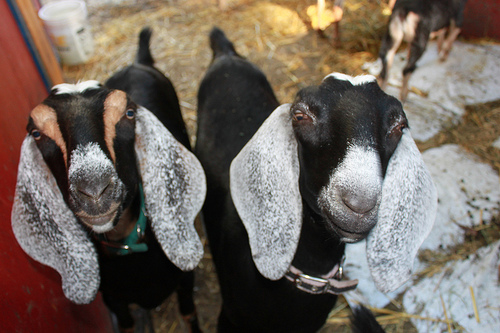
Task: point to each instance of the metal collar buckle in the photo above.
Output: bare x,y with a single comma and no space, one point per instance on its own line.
330,283
311,284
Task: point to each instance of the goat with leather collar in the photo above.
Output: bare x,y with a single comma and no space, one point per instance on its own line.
318,256
289,185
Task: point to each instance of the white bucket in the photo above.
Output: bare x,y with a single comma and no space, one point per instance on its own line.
66,22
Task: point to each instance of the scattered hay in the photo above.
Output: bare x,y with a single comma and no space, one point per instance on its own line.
276,36
475,238
284,22
476,132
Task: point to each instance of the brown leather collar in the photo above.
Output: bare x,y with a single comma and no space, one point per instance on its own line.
330,283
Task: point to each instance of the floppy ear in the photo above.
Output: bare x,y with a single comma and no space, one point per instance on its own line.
174,189
405,218
264,182
48,231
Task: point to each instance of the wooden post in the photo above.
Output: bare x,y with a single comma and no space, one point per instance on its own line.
42,45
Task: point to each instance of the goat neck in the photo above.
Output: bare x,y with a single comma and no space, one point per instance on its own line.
318,251
127,221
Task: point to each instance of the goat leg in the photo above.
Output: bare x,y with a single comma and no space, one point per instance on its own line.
417,48
390,44
440,34
186,303
122,319
453,33
143,321
336,34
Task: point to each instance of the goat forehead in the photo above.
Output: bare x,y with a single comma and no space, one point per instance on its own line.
89,116
74,105
79,117
68,88
354,94
354,80
351,110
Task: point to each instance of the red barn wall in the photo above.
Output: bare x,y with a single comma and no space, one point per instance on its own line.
30,293
482,19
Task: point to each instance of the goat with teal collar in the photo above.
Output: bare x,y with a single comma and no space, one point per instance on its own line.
107,193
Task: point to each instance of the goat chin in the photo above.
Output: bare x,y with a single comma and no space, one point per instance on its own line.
103,228
100,224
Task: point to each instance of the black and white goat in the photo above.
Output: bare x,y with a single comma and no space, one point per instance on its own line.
107,194
286,189
416,21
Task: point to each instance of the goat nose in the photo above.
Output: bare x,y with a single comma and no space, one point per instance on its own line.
359,203
94,190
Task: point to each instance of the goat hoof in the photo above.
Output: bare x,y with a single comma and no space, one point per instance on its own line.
191,321
127,330
443,56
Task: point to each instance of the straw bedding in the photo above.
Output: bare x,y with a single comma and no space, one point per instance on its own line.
276,36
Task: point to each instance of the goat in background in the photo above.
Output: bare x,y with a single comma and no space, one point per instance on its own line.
416,21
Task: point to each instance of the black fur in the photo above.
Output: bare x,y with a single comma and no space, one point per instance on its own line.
233,100
148,87
363,321
145,278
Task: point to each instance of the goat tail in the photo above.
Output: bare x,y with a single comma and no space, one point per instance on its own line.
363,321
220,44
144,56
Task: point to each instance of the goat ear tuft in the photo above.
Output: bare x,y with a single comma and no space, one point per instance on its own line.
48,231
406,215
264,181
174,189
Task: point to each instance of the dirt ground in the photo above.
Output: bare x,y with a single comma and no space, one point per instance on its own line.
275,35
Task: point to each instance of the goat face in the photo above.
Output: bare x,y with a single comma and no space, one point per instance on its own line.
343,150
87,151
87,139
345,140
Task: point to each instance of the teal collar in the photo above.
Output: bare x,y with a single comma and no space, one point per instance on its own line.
134,242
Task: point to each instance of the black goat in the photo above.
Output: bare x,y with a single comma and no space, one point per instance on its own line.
107,196
287,188
416,21
363,321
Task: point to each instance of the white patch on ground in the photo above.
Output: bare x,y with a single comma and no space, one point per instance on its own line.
496,144
356,267
425,117
470,75
453,284
468,192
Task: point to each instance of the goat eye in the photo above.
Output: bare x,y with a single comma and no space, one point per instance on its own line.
299,115
397,129
36,134
130,114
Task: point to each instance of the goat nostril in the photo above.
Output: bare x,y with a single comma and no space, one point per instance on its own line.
358,203
94,192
